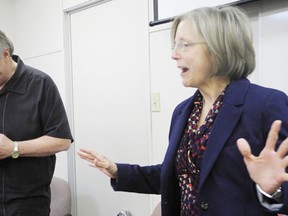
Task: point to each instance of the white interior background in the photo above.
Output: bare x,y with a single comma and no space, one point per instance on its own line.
107,61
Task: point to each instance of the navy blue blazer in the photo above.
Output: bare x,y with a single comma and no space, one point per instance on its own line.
225,187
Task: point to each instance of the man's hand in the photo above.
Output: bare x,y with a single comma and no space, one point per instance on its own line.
6,146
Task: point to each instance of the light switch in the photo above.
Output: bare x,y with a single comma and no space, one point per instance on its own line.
155,101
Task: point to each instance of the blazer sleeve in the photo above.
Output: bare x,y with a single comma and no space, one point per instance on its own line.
138,179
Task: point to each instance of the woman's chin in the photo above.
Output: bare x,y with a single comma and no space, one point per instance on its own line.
189,85
186,84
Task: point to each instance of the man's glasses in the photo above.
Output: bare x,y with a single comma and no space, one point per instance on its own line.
183,46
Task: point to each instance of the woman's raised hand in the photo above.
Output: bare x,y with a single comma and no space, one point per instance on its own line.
268,170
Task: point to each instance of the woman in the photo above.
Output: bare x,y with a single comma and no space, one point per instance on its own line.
203,172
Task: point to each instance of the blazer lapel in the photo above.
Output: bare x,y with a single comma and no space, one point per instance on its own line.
177,131
224,124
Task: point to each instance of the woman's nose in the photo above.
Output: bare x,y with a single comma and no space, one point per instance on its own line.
175,54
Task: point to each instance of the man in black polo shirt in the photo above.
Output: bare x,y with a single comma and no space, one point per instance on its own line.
33,127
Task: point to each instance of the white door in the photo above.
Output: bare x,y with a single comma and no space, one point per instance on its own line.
110,74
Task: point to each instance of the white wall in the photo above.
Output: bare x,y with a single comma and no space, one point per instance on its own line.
7,19
110,73
38,41
274,44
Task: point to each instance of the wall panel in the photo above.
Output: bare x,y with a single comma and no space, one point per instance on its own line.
110,99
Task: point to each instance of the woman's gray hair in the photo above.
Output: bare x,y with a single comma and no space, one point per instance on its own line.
5,43
227,33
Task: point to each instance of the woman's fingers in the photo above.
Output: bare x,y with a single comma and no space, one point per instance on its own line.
99,161
244,148
283,149
273,135
86,155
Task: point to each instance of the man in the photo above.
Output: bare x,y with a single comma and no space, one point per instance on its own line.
33,127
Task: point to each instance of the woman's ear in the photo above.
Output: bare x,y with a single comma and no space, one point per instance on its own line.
6,53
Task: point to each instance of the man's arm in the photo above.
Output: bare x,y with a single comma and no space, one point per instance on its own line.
39,147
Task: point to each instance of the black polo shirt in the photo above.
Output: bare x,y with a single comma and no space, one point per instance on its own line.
30,107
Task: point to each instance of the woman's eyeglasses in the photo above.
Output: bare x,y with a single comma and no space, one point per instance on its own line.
184,45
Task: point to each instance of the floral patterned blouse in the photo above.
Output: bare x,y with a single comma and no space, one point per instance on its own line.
190,152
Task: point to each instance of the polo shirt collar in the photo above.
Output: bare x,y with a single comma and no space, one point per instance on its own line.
18,82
